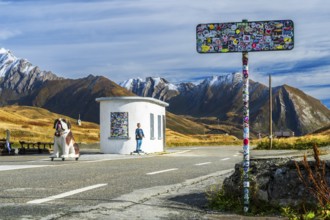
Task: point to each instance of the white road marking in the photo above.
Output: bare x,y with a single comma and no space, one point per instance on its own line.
18,167
66,194
227,158
235,155
201,164
96,161
182,152
162,171
35,161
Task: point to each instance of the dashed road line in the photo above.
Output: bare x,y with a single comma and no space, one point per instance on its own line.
182,152
201,164
18,167
96,161
162,171
227,158
66,194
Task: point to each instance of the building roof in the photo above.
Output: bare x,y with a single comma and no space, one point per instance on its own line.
133,98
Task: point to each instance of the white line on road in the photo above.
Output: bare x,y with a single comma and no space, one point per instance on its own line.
96,161
227,158
162,171
66,194
182,152
35,161
18,167
201,164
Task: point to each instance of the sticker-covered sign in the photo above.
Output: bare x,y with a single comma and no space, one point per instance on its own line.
245,36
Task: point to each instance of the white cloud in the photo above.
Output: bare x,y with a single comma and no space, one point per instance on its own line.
7,34
128,38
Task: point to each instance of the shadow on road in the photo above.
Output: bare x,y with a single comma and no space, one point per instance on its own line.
196,200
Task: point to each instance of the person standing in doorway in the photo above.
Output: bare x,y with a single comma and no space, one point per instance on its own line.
138,136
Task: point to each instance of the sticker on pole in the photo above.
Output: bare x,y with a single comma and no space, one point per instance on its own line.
249,36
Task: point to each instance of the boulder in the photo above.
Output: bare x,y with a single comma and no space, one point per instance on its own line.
275,182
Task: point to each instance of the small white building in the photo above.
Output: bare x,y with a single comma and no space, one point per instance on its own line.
118,120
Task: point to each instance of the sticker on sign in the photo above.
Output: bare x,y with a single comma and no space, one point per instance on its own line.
244,36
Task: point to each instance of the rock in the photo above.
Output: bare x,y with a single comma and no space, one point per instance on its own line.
274,182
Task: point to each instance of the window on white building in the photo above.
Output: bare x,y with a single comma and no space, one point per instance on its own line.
159,127
152,127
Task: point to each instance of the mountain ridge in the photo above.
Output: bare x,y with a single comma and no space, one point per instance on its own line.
20,75
25,84
221,97
217,97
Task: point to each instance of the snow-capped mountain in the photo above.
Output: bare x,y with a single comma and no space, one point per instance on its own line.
221,97
155,87
23,83
229,79
19,74
215,96
162,89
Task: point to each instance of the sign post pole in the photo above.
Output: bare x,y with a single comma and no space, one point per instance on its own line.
246,132
244,37
270,113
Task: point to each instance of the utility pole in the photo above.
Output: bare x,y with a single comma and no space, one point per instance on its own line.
270,113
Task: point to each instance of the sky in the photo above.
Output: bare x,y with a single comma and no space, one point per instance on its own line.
123,39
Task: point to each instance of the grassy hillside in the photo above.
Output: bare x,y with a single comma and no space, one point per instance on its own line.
199,126
178,139
183,125
188,131
323,131
36,124
320,137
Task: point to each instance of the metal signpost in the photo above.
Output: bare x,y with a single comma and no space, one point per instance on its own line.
244,37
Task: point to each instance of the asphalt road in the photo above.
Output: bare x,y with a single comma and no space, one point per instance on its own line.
33,187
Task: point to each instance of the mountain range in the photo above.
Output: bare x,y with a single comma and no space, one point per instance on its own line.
24,84
215,100
221,97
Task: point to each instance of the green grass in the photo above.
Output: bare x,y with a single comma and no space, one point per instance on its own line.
295,143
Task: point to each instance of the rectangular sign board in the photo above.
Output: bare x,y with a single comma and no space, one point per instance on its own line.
249,36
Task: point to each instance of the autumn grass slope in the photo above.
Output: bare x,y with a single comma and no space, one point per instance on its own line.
321,138
34,124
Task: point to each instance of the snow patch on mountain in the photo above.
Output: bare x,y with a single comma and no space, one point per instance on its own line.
127,84
7,61
138,84
19,74
230,79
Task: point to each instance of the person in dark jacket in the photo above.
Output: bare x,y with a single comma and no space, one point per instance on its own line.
138,136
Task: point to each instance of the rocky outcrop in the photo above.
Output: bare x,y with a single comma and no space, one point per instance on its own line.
296,110
273,181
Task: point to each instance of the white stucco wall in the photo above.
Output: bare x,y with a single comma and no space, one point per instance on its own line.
139,110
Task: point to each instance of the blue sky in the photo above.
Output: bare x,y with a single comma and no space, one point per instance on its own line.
123,39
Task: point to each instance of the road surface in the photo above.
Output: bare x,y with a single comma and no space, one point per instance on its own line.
104,186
